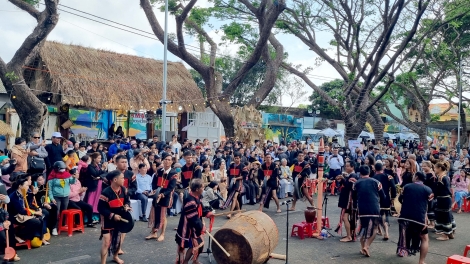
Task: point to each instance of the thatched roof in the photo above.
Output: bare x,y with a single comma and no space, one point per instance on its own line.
5,129
102,79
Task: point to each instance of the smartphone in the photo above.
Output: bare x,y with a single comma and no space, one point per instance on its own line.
35,184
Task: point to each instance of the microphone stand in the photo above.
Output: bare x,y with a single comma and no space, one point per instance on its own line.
287,229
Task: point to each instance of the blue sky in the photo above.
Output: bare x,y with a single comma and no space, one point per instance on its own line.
15,25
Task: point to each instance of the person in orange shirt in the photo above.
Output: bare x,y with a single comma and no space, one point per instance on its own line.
71,159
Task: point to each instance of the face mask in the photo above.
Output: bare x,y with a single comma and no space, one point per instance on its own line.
219,155
6,165
24,146
341,153
347,152
178,170
62,170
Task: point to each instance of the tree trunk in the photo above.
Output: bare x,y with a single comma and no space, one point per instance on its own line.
423,133
377,124
222,110
354,126
31,111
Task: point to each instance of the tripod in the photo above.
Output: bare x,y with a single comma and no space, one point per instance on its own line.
325,205
209,250
287,202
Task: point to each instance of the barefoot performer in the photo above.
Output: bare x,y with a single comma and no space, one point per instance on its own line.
413,237
191,227
300,174
113,204
163,184
390,192
348,216
270,183
235,180
367,192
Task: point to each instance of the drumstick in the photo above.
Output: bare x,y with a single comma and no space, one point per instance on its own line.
231,212
277,256
124,220
220,246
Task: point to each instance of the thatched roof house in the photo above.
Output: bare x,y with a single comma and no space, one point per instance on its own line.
99,79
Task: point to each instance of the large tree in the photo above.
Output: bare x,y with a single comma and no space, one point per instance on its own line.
188,17
368,39
432,70
30,109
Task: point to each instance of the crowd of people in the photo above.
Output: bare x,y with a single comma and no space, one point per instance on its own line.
43,179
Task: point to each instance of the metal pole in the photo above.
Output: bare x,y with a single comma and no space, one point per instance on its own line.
460,103
165,51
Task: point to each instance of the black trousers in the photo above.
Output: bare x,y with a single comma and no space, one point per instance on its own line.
86,209
250,191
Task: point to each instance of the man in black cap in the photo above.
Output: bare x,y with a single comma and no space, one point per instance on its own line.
376,153
94,147
114,201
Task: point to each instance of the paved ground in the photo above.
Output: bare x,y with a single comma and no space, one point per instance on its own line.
84,248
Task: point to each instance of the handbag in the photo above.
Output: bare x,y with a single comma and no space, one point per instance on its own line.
23,218
37,164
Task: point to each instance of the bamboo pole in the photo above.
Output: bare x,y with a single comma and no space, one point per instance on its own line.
321,164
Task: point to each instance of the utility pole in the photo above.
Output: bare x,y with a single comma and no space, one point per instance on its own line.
460,104
165,51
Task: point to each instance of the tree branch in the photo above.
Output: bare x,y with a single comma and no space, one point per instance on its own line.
27,7
47,20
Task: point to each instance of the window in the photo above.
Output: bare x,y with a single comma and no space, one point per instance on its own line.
203,120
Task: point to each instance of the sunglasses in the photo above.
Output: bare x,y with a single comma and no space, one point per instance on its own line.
37,137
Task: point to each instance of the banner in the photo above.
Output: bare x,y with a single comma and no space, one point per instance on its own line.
353,144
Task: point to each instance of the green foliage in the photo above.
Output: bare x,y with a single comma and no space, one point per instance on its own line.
435,117
335,90
11,76
302,106
32,2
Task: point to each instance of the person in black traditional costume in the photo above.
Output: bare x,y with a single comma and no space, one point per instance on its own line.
191,170
445,224
113,201
367,193
413,236
191,227
270,183
300,174
348,216
256,177
431,182
163,184
251,190
390,192
235,179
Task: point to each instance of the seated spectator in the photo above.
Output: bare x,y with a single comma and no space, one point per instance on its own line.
210,198
77,192
5,224
144,190
207,176
7,166
461,183
29,222
48,208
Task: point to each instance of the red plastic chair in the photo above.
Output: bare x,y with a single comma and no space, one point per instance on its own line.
465,252
456,259
26,243
69,225
301,230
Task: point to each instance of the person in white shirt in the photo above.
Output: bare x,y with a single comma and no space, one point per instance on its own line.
335,162
144,190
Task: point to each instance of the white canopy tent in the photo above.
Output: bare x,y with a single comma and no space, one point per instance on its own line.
328,132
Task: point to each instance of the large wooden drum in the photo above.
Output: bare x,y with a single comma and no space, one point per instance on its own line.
249,238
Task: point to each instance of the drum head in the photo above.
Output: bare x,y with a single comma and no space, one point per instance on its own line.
298,188
124,227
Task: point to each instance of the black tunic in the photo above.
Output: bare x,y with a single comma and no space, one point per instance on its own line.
270,174
299,168
235,171
368,192
389,189
415,201
390,172
130,182
406,179
190,225
347,185
188,172
111,203
167,183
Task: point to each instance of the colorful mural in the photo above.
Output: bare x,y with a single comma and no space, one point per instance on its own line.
89,124
138,125
282,126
